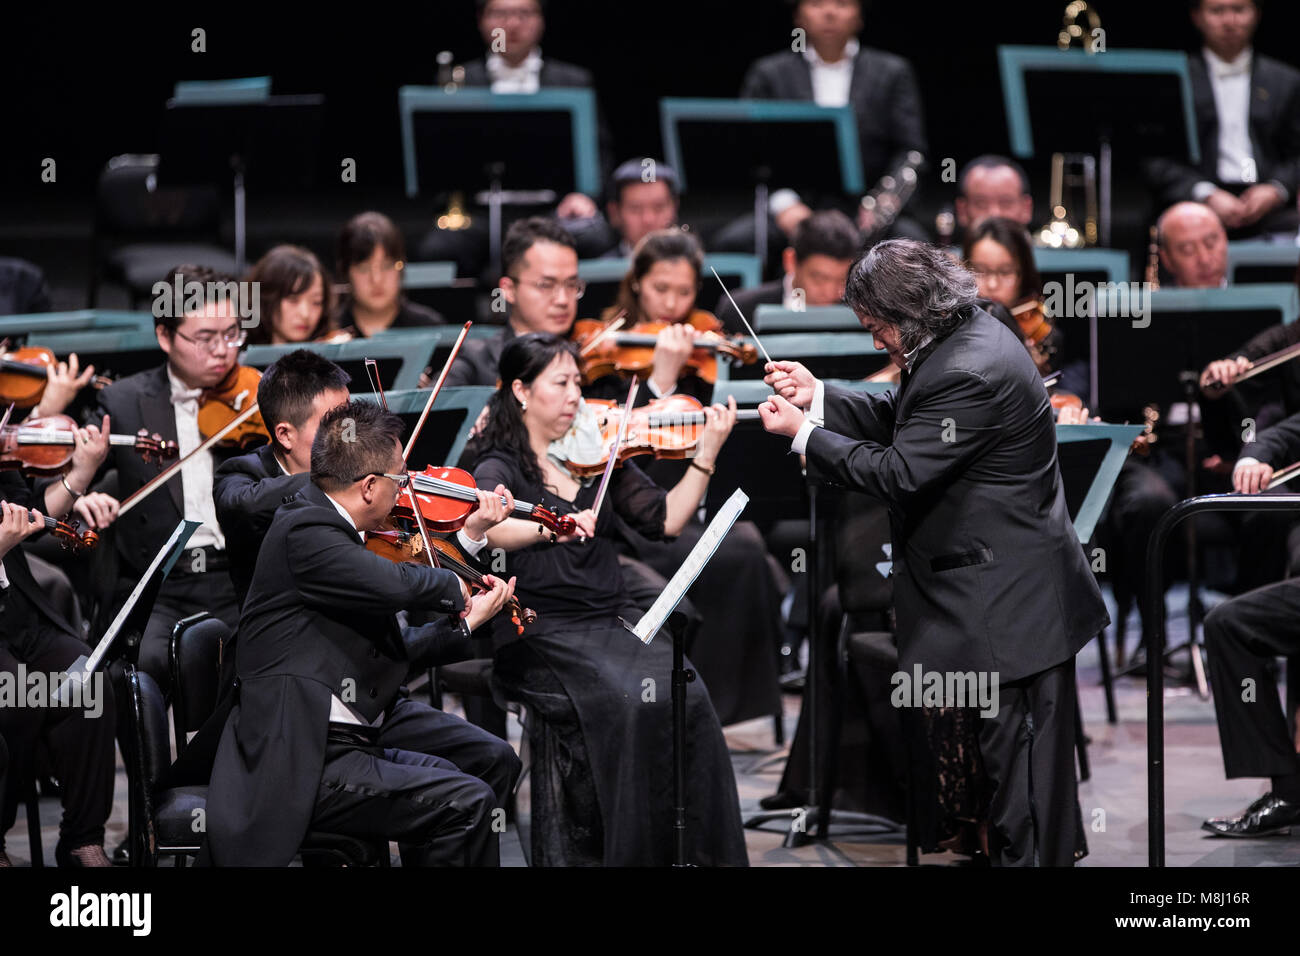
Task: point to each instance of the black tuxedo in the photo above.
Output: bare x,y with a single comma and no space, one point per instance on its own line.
318,622
884,95
35,635
769,293
1274,132
478,361
144,401
247,490
989,576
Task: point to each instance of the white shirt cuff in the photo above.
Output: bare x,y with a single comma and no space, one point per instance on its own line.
817,410
1243,462
654,389
1204,190
781,200
472,547
799,445
4,578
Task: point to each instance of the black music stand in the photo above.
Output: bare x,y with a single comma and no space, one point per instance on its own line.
744,147
1138,102
272,143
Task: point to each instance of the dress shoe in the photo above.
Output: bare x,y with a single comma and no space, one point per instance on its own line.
90,855
122,855
1267,816
782,800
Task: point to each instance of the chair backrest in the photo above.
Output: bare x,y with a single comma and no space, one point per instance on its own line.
129,201
196,647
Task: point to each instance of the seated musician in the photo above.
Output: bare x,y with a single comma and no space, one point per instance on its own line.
512,32
38,639
1242,636
816,264
372,254
1193,247
201,347
297,298
600,698
321,722
992,185
1248,124
999,252
643,196
834,69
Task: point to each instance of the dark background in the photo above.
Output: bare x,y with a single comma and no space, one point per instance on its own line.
86,87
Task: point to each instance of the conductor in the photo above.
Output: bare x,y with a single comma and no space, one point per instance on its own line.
989,577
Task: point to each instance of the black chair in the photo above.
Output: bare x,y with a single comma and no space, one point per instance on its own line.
198,644
141,230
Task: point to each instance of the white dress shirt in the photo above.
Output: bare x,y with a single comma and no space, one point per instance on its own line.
524,78
196,474
1230,81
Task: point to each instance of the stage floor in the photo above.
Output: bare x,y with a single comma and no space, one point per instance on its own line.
1117,836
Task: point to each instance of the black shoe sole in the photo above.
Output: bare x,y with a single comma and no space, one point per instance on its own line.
1277,831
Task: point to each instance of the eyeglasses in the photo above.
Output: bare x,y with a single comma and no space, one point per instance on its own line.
402,481
548,287
234,339
1002,275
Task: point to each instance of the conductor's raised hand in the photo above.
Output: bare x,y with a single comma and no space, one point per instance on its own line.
792,382
780,417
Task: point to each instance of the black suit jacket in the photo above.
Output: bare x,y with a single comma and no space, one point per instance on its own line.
884,95
769,293
1274,131
1278,445
318,621
247,492
988,572
477,363
20,633
140,401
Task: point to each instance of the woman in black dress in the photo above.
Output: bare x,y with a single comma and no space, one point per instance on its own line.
598,700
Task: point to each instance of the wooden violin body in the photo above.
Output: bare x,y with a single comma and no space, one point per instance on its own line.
631,352
23,375
667,427
43,446
223,403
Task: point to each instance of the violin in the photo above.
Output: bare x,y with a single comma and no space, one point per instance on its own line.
68,533
43,446
224,402
23,376
1031,316
667,427
400,541
604,351
447,498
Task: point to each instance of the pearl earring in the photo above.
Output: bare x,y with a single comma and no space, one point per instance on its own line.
523,406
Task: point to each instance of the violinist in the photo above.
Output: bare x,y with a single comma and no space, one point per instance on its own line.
321,721
296,298
600,732
37,636
201,348
539,283
999,252
372,254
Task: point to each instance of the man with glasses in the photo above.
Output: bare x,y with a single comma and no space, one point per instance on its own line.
201,346
540,285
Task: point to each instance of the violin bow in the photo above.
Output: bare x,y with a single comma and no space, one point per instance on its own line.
615,324
172,470
1283,475
613,449
437,387
749,328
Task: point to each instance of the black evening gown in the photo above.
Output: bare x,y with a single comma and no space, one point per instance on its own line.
598,701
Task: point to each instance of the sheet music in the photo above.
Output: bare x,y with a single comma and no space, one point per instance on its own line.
704,549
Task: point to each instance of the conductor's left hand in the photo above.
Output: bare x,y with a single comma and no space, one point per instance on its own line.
780,417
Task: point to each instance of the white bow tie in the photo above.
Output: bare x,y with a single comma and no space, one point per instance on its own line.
182,395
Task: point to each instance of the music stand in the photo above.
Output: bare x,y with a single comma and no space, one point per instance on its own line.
1253,260
1137,101
507,148
790,143
211,139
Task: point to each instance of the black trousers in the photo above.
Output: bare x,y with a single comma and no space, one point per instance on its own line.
79,741
438,815
1028,753
1241,636
181,595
